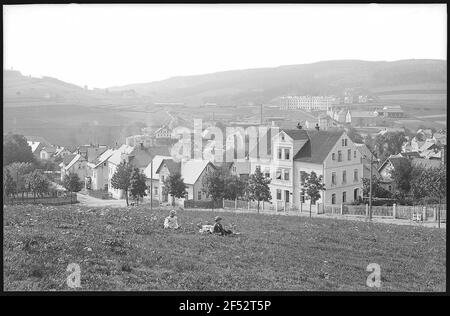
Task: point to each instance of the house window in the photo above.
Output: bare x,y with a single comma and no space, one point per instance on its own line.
267,173
156,190
333,198
104,164
278,175
302,177
279,153
302,196
349,154
333,178
286,175
258,167
344,177
286,196
355,194
286,154
278,194
199,195
339,156
344,197
345,142
333,156
282,137
162,178
390,188
355,175
354,154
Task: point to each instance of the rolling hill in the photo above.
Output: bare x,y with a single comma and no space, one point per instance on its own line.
322,78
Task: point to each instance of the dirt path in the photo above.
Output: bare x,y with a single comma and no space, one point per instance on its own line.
87,200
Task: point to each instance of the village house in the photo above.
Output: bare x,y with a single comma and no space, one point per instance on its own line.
296,153
47,152
154,177
138,156
386,170
193,173
97,172
74,163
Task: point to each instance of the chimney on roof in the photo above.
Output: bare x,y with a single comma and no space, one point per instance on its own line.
299,126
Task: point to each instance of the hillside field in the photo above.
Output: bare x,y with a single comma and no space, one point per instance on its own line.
127,249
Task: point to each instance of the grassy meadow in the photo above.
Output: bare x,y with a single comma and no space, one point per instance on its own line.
127,249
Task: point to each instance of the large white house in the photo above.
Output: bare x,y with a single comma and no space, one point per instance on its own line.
296,153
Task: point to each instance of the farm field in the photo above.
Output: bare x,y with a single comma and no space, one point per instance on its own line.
127,249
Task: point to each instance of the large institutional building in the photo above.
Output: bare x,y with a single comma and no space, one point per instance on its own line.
306,103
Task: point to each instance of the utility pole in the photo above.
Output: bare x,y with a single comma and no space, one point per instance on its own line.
151,185
261,115
370,189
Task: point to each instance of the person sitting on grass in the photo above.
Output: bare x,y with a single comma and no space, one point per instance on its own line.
171,221
219,229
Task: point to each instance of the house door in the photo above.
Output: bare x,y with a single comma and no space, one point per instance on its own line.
286,196
355,194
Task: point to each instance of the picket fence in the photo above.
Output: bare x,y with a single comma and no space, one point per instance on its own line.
424,212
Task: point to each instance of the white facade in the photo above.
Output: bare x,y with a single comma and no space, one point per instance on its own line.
306,102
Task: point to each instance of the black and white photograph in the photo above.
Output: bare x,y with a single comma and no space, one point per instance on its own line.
211,148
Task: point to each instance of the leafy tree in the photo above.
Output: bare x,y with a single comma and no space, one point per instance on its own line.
37,183
417,190
258,187
377,190
313,186
175,186
137,185
19,171
389,143
9,185
121,178
214,184
234,187
402,176
16,149
72,182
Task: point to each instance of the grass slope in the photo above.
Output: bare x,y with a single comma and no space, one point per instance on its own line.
127,249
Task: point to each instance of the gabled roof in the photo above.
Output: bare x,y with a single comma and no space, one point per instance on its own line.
157,161
296,134
34,145
319,145
116,157
192,169
364,150
68,158
102,158
74,160
172,166
49,149
394,160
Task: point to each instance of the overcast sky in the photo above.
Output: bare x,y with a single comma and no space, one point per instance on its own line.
107,45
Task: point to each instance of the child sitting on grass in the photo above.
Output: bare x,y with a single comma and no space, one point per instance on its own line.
171,221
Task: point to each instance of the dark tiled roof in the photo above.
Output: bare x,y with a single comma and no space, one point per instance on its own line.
318,147
296,134
426,163
174,167
68,158
398,161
